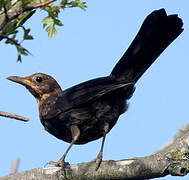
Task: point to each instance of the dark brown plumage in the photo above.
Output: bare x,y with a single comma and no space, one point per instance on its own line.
88,111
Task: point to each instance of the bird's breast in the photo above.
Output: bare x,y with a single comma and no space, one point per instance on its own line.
90,120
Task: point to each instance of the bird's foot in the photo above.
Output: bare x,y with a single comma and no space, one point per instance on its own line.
98,160
64,166
57,164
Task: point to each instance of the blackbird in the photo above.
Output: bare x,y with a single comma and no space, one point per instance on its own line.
89,110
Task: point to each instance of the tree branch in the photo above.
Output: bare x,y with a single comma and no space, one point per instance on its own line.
171,159
39,5
13,116
14,15
11,15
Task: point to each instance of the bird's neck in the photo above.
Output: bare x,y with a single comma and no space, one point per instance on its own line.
47,95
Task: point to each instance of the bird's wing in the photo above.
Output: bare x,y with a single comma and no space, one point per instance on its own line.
81,94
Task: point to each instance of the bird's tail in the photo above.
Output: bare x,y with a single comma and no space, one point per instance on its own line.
156,33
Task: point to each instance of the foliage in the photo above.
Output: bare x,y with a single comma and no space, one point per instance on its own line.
28,7
13,41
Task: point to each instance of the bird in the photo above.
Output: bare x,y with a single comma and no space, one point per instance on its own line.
88,111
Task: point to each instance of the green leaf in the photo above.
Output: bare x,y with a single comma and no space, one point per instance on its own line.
53,11
47,20
8,4
83,6
63,3
12,40
1,4
24,3
51,22
51,31
28,37
58,22
55,31
26,34
10,28
5,3
22,18
9,41
19,59
21,51
78,3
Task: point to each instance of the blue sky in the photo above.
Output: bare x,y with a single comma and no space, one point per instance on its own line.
88,46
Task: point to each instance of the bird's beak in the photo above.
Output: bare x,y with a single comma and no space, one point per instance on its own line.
27,82
20,80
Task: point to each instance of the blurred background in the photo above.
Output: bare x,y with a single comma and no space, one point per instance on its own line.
88,46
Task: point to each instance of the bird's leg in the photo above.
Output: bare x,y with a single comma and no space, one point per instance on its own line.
75,135
98,159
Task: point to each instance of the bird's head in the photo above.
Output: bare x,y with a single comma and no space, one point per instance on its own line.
40,85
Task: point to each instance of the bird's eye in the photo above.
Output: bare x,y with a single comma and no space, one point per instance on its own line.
38,79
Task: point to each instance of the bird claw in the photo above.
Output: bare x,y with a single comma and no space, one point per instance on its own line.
57,164
98,161
64,166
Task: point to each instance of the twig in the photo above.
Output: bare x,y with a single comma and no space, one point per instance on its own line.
38,5
2,36
13,116
15,165
31,8
5,11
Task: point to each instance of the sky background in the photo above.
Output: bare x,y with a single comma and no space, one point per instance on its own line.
88,46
